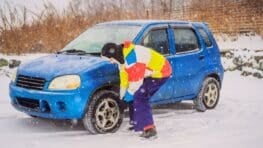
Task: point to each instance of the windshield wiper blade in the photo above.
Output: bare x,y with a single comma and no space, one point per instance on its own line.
73,51
95,53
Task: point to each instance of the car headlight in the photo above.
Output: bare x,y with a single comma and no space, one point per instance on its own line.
67,82
13,76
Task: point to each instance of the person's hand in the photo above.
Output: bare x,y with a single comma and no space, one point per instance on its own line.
122,93
128,97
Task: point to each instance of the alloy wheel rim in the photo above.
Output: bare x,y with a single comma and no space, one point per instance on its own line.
211,95
107,114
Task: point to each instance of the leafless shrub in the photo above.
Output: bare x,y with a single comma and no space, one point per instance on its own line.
49,31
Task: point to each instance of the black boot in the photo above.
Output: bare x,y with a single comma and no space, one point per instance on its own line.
131,128
150,133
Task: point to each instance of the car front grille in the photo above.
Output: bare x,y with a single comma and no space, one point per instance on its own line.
28,103
30,82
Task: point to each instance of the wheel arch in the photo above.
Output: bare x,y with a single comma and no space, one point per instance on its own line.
209,75
216,76
108,86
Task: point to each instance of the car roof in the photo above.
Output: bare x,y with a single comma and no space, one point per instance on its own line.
145,22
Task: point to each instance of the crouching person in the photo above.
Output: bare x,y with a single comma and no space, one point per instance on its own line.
142,72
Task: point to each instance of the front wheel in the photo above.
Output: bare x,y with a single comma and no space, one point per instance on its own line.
208,96
104,113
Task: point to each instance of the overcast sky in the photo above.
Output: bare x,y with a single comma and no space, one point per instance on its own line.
33,5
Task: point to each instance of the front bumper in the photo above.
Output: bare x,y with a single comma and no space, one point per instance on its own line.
48,104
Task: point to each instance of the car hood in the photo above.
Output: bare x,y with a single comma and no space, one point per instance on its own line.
55,65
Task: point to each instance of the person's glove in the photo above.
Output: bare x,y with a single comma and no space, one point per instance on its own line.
128,97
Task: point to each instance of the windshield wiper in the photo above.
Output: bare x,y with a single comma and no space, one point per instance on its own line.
95,53
73,51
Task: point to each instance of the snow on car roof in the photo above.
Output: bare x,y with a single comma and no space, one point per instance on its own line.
144,22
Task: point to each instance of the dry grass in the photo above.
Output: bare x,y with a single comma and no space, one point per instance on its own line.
49,31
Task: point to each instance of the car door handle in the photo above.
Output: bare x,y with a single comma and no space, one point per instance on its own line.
201,57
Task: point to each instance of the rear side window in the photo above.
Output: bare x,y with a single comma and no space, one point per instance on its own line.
204,35
158,40
185,40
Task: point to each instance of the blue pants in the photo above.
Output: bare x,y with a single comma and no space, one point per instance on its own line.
140,110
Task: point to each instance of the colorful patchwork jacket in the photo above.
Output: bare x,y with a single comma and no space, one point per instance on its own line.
140,62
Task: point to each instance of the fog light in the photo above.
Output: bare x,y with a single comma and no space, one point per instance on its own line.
61,106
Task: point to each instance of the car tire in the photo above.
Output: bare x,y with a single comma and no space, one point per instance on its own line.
104,113
208,96
32,116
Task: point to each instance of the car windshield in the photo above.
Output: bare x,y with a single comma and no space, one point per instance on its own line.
92,40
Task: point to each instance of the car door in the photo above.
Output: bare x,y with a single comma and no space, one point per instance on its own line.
187,61
157,38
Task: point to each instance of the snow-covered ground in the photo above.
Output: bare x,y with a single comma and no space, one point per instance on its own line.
236,122
252,42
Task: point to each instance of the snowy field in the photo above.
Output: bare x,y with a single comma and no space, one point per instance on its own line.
236,122
252,42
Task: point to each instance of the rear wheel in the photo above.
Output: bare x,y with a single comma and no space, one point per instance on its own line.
208,96
104,113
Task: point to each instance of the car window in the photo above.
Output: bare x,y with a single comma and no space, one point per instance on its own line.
158,40
185,40
204,35
93,39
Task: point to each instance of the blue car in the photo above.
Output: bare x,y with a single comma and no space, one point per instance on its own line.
76,83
